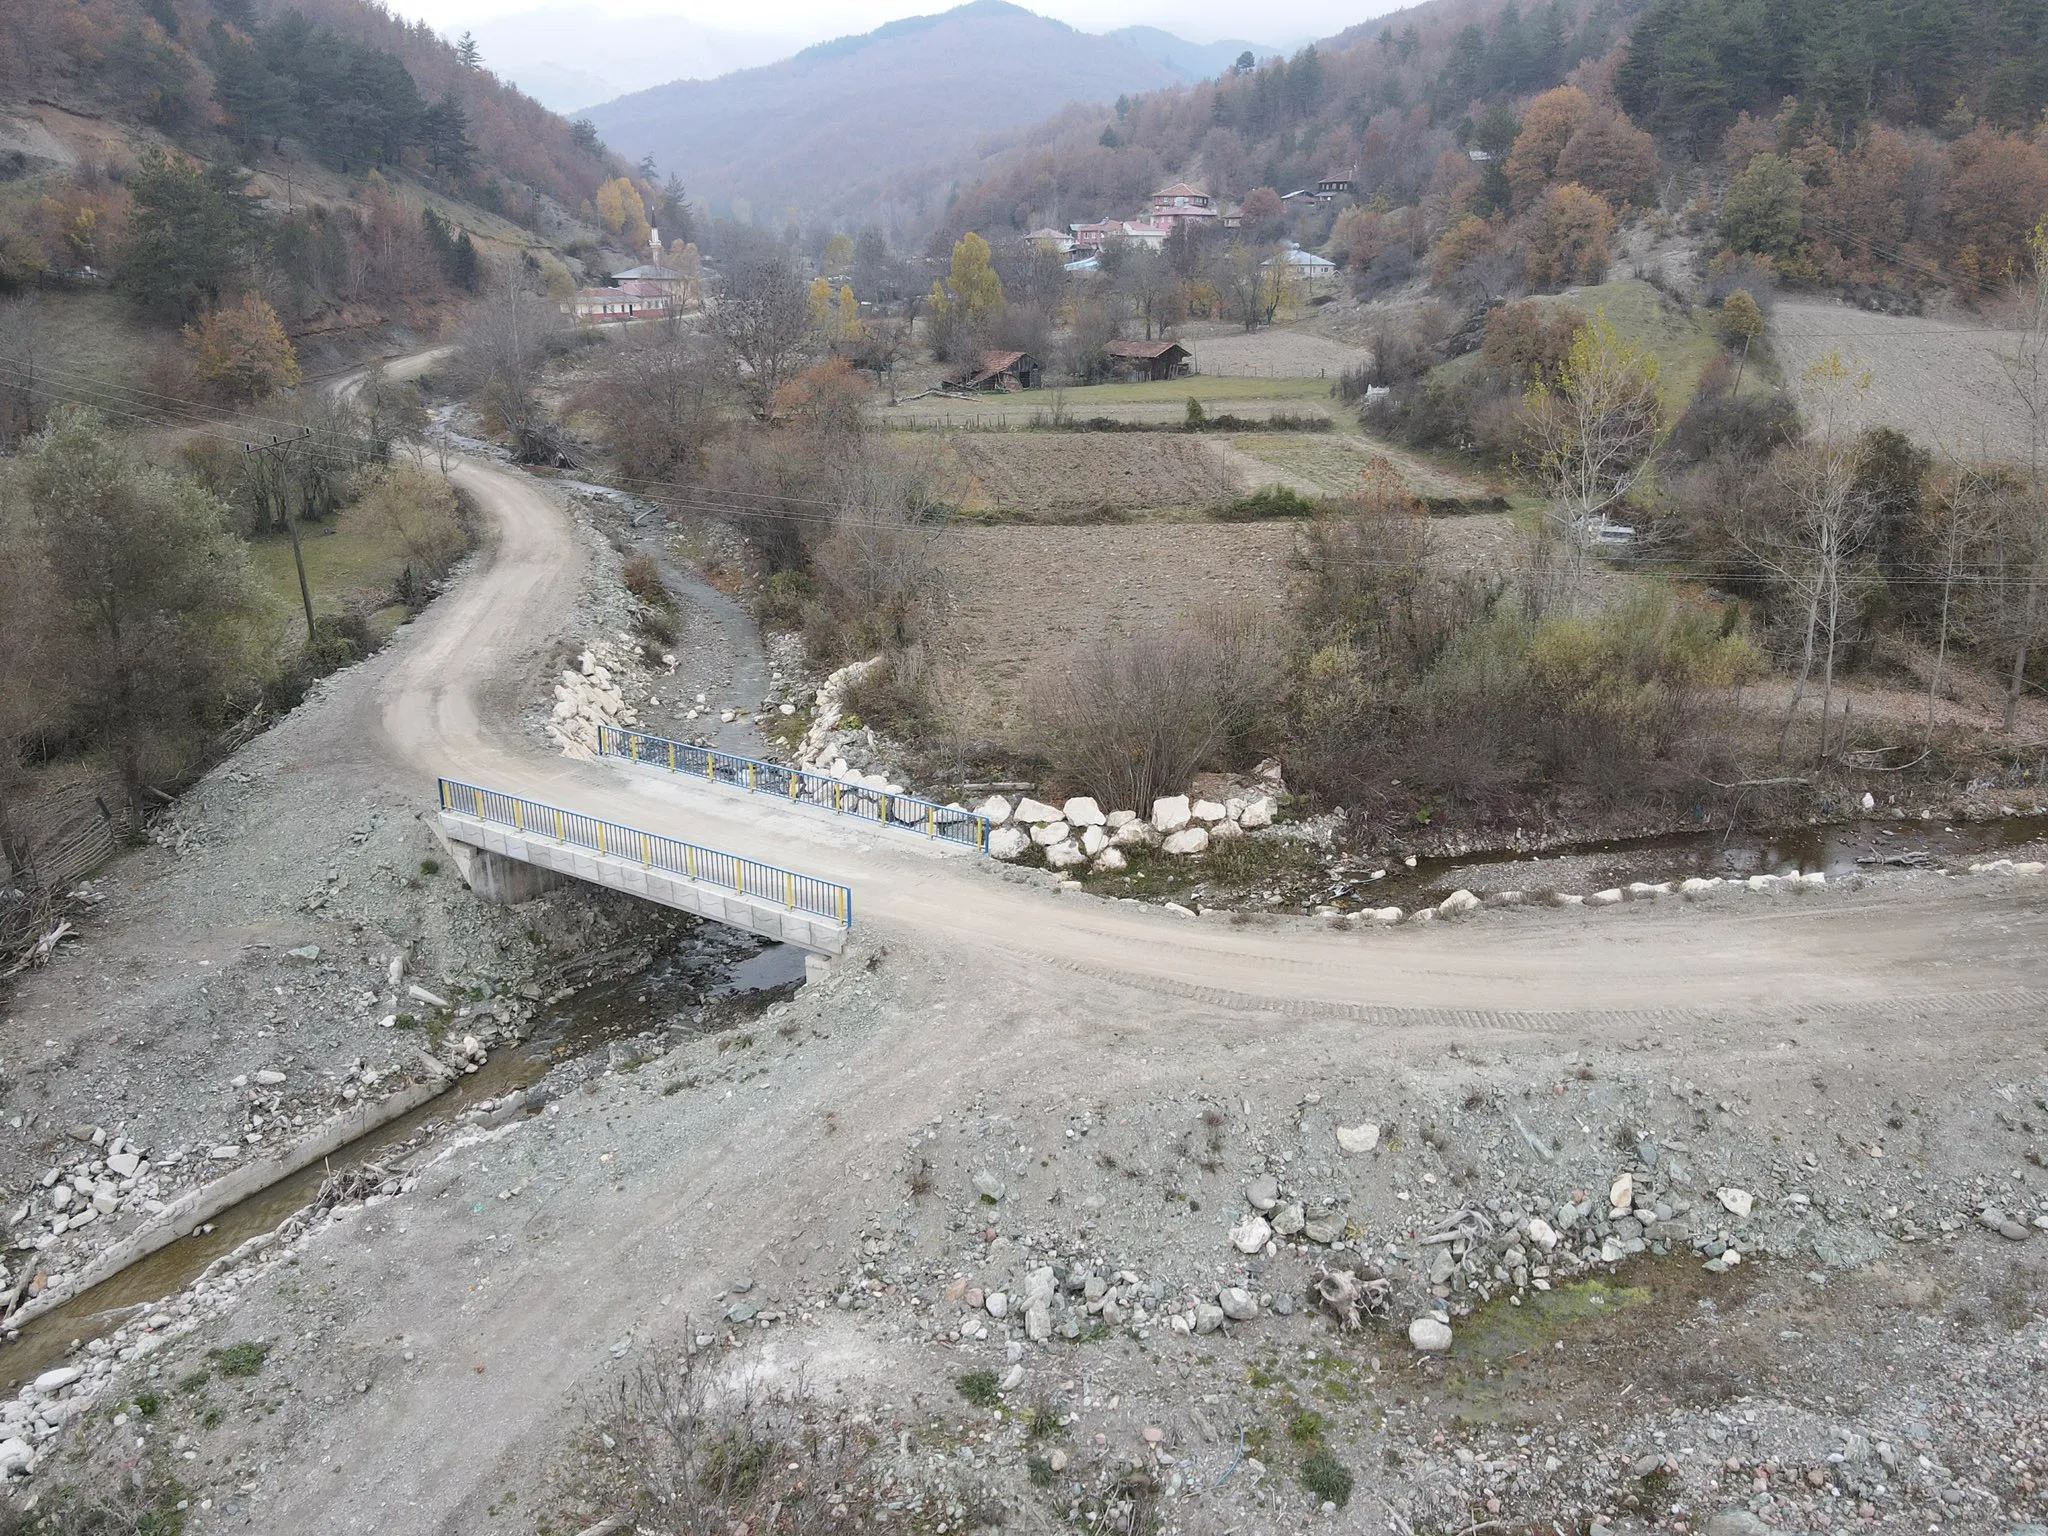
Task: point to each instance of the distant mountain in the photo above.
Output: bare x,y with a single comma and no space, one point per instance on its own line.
829,129
1190,61
568,57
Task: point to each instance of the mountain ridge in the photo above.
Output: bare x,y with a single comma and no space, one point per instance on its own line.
912,95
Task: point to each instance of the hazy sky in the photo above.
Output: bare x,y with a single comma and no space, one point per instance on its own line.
809,21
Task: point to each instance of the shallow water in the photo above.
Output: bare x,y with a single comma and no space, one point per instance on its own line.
588,1021
1590,866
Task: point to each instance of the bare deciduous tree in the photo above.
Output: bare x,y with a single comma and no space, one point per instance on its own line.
504,347
1591,437
26,353
1818,551
762,313
658,399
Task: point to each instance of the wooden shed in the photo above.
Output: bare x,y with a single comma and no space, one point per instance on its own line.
1150,359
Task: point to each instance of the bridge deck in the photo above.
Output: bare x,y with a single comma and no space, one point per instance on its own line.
774,903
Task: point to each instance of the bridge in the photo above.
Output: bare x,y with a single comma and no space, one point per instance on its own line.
511,849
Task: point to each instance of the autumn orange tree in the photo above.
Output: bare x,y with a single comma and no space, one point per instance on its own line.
242,350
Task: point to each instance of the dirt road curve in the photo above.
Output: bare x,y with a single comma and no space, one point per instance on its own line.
634,1208
451,707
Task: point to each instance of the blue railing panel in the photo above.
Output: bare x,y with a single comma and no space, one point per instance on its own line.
905,813
708,866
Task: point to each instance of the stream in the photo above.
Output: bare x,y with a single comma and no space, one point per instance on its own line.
588,1021
1836,850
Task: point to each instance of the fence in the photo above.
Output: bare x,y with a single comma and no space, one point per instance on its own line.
799,786
761,882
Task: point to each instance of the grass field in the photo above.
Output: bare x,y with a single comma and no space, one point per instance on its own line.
1678,337
348,562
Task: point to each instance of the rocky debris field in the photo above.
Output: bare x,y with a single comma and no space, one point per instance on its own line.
1256,1288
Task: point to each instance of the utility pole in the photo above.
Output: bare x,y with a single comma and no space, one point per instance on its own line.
281,449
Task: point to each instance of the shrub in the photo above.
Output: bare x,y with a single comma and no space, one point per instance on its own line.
684,1451
979,1388
1326,1478
1267,502
642,577
1131,719
1749,427
243,1359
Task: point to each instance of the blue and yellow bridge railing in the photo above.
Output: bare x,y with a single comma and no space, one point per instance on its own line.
706,866
799,786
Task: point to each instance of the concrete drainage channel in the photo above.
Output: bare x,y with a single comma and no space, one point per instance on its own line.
212,1222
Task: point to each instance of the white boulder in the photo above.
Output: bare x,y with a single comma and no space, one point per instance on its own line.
1110,860
1008,843
1116,821
1430,1335
16,1456
1065,855
1188,840
1223,831
1045,834
995,808
1093,840
1207,810
1386,914
1082,811
1358,1138
1251,1235
1170,813
1736,1202
1134,834
1258,812
1036,812
1457,904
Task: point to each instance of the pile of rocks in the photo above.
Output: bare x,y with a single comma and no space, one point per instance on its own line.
1081,832
1460,902
2025,867
107,1176
594,694
822,743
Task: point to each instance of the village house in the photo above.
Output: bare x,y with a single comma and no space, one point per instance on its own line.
1182,204
1313,274
1089,239
1153,360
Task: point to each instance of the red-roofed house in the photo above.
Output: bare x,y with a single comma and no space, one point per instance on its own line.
1182,204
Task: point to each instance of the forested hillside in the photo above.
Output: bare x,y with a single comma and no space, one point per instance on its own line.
1363,104
1694,65
341,82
